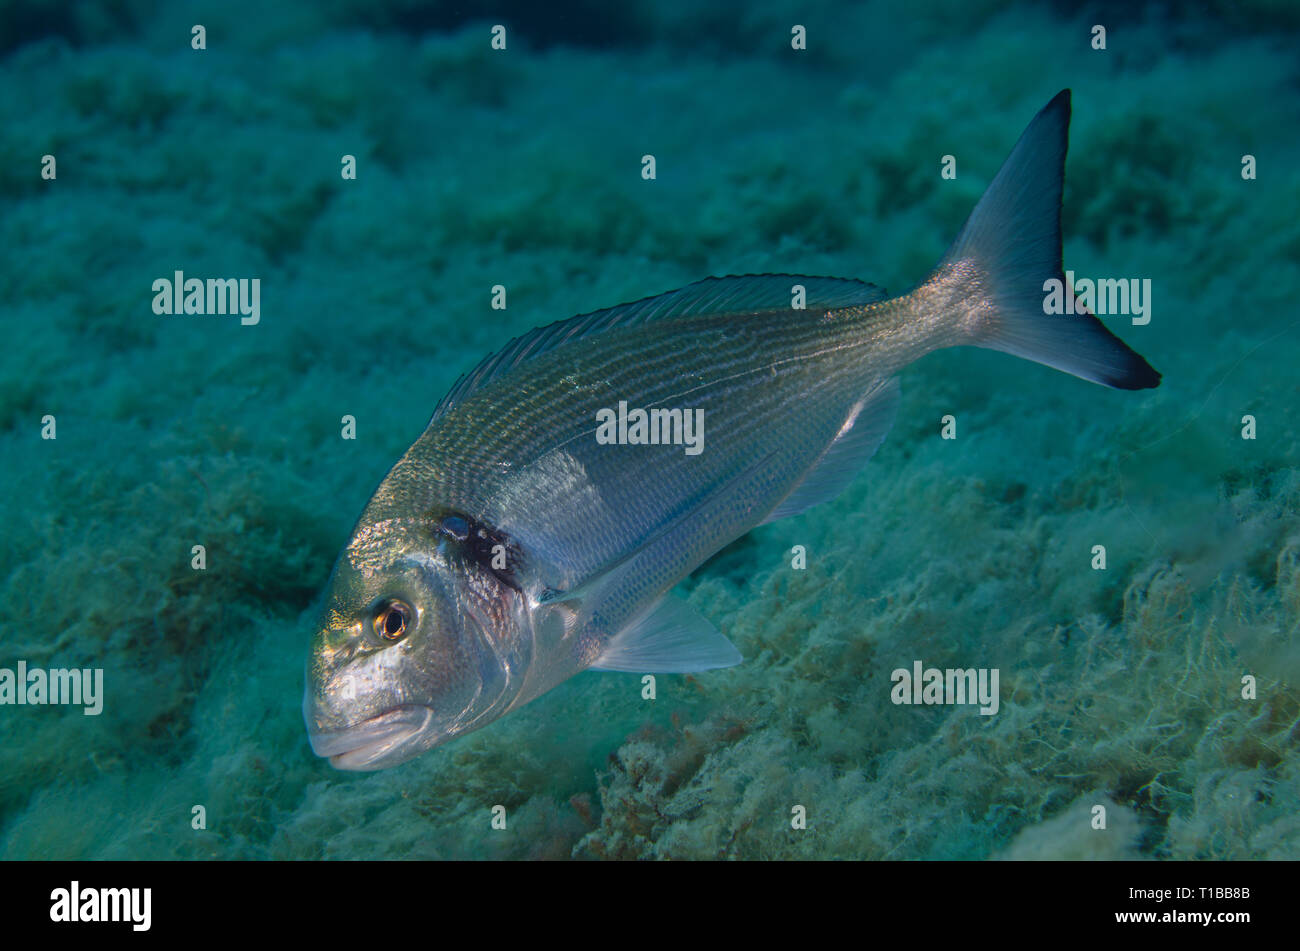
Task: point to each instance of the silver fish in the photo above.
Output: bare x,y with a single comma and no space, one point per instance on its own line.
535,528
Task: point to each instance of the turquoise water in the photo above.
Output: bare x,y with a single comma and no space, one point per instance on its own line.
522,167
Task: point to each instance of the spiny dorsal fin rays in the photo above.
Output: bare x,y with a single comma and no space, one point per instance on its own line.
750,293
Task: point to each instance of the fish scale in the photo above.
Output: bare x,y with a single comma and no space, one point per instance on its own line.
742,418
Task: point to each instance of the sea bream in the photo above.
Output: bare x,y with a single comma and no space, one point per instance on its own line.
536,527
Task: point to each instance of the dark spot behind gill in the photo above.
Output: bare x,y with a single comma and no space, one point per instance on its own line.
482,544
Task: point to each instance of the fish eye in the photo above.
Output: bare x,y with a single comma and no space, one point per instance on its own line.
392,619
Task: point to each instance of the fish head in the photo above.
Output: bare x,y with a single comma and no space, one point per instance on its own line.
416,644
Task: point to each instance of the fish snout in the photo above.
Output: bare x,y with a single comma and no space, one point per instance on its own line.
321,716
374,743
329,701
349,722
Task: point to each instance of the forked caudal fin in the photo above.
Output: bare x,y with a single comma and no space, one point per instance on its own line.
1012,241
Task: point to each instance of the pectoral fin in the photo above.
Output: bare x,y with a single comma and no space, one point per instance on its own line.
863,431
672,638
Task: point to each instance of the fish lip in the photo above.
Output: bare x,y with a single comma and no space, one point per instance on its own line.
375,742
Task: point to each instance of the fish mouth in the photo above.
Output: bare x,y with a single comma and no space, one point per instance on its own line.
376,743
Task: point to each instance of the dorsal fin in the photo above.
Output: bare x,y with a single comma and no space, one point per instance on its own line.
750,293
